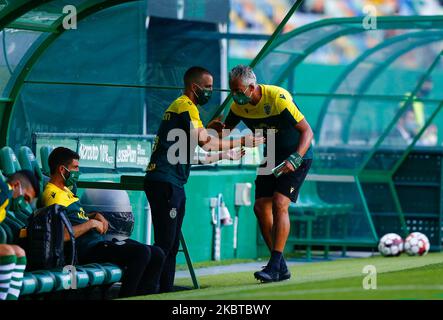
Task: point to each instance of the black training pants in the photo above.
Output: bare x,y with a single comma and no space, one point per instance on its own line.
167,203
141,264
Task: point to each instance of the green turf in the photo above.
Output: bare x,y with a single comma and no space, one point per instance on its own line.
206,264
397,278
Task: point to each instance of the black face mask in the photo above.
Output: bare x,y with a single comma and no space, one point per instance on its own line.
203,95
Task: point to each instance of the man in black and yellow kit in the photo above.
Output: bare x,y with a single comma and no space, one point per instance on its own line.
21,188
168,171
270,107
141,264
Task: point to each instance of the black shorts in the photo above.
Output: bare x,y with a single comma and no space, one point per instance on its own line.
288,184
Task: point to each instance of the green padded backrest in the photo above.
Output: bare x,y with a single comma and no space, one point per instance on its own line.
29,162
2,177
305,194
3,235
45,151
309,188
8,161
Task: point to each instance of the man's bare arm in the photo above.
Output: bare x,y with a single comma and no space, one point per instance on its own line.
233,154
83,228
306,136
211,143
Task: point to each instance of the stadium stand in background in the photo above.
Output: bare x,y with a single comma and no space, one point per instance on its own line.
263,16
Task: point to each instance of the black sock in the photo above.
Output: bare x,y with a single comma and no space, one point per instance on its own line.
276,257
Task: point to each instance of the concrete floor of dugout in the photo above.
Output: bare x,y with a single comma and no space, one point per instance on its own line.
255,266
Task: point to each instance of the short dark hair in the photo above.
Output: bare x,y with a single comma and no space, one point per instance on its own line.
194,74
61,156
27,179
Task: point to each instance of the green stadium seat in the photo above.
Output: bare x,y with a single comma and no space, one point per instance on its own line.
112,272
309,208
22,217
29,162
45,151
96,275
62,279
15,225
2,177
3,235
30,284
9,233
45,281
82,279
8,161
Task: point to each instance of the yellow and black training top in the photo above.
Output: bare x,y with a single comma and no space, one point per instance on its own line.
76,215
275,110
183,115
5,199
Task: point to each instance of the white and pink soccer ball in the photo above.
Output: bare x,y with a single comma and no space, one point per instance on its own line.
390,245
417,244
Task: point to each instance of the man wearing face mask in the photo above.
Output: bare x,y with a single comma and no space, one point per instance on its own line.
166,177
19,191
270,107
141,264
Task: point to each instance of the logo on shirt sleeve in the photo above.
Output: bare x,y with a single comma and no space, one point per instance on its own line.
282,96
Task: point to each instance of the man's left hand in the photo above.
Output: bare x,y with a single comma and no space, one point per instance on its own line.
98,216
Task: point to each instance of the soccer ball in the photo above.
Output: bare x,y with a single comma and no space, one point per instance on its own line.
417,244
390,245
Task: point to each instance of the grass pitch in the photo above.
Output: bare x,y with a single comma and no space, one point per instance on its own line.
401,277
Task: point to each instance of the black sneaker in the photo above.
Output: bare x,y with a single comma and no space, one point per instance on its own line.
267,275
285,274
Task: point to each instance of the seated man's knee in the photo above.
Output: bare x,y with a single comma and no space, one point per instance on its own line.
158,256
19,252
6,250
140,253
158,252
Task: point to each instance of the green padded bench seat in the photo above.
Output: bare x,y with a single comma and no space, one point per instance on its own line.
46,281
112,272
97,276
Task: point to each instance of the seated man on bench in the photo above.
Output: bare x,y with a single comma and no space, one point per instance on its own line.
141,264
21,186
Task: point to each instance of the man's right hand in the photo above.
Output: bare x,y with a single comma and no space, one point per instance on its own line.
97,225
